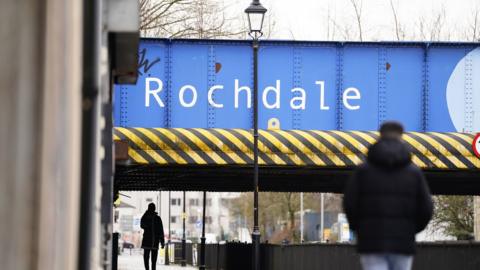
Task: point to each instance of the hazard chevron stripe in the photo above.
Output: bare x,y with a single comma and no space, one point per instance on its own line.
184,146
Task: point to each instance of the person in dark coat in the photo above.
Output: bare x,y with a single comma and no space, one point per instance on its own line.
387,201
152,227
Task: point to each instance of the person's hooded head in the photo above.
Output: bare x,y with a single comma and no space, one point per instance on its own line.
390,151
391,130
151,208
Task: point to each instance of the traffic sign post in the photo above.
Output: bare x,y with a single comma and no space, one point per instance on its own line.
476,145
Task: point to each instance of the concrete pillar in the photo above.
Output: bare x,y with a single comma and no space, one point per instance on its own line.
476,221
40,90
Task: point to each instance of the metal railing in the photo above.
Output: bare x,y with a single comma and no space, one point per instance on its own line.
233,256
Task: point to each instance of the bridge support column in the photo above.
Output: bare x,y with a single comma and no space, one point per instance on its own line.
167,246
40,119
202,239
184,241
476,217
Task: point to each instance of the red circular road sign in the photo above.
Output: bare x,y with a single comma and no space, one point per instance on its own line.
476,145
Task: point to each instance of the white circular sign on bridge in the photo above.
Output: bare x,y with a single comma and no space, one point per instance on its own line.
465,115
476,145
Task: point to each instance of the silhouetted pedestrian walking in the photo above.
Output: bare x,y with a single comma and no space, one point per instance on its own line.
387,202
152,225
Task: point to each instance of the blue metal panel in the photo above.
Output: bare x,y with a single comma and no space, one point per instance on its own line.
339,85
321,85
229,68
297,78
360,71
276,64
404,75
190,68
317,63
442,61
134,110
117,104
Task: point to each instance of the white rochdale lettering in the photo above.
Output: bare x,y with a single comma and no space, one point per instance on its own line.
237,92
276,90
346,97
323,107
210,96
271,96
302,98
149,91
181,96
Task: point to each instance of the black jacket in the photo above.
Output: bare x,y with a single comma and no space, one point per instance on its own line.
387,201
152,225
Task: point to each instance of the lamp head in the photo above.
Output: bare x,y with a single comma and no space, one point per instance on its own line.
256,14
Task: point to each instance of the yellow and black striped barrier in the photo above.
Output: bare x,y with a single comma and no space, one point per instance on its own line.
181,146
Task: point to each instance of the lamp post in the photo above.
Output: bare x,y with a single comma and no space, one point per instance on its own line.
322,216
256,14
203,239
167,255
184,241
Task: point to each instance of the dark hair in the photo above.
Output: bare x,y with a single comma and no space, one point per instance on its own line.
151,207
391,128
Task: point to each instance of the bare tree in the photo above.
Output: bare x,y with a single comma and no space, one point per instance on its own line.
278,212
399,29
454,215
162,17
343,30
269,24
189,19
434,25
421,27
210,21
434,29
330,31
438,24
357,7
474,26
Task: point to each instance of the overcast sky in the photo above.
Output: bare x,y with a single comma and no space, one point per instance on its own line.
308,19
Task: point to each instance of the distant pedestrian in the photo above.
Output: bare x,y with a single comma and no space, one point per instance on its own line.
152,225
387,202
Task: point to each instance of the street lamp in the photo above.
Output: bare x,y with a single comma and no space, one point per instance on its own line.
256,14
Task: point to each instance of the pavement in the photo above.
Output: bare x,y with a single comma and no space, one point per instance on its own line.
134,261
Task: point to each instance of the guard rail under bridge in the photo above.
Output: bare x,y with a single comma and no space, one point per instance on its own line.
186,124
294,160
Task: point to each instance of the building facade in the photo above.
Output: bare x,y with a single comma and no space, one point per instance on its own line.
219,225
